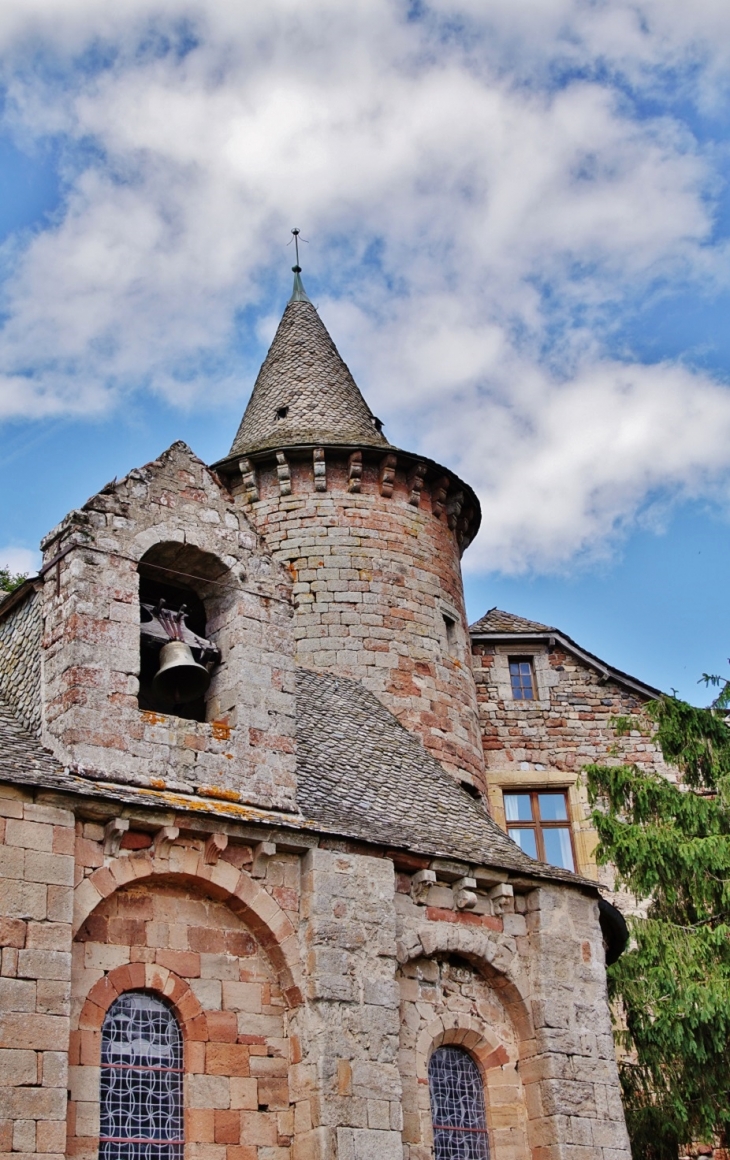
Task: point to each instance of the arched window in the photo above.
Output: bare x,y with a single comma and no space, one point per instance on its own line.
141,1081
457,1106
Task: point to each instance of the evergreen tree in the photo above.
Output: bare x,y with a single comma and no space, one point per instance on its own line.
9,582
671,989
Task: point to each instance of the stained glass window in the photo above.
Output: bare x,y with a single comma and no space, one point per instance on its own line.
141,1081
457,1106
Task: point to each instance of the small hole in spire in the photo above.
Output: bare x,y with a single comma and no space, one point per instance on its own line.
282,412
378,425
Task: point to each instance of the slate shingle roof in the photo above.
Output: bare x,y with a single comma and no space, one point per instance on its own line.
498,621
304,373
360,775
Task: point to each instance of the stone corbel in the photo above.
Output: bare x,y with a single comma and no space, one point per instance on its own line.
320,470
284,473
163,840
502,898
388,465
261,854
453,508
248,475
214,847
415,483
421,883
354,474
438,495
464,893
114,831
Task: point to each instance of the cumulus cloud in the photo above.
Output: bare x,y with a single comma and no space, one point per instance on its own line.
19,561
487,196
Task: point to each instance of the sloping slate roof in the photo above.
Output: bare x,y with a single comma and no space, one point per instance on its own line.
498,621
20,750
304,372
361,775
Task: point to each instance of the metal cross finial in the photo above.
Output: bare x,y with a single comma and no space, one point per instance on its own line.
297,269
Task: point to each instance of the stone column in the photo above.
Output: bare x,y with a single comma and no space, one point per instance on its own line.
347,1087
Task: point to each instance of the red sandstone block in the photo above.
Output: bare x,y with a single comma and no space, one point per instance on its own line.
227,1127
89,1048
245,1152
222,1026
12,933
199,1125
196,1028
104,882
227,1059
184,963
89,853
63,840
91,1017
6,1136
195,1058
288,899
204,940
436,914
103,993
274,1093
259,1128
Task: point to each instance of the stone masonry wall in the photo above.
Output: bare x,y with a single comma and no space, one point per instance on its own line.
347,1087
36,904
236,1055
374,577
571,724
20,660
523,990
245,751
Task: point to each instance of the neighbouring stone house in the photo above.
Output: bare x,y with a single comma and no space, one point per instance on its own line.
254,903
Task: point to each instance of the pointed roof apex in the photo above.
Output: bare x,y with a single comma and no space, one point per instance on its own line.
298,294
304,393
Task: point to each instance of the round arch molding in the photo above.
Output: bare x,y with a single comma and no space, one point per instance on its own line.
260,912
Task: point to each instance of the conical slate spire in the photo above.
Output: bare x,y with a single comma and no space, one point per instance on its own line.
304,393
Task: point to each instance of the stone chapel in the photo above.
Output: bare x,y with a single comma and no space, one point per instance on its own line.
294,865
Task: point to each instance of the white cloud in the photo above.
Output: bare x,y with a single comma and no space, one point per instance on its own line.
483,227
19,561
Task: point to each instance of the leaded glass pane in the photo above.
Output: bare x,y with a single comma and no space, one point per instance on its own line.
457,1106
141,1081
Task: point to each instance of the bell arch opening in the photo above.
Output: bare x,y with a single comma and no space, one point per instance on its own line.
180,587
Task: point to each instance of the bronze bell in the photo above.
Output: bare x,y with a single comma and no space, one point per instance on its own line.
179,678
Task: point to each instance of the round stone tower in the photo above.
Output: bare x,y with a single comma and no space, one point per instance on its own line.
372,536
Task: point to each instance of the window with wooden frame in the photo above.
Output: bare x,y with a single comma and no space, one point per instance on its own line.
522,678
539,822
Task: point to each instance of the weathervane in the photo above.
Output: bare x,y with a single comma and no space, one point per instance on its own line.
296,269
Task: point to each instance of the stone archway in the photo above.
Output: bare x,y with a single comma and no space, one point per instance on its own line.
261,913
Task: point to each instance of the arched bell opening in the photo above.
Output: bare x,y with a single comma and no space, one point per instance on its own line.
179,586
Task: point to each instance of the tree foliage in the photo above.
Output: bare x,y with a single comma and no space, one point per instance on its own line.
9,582
671,845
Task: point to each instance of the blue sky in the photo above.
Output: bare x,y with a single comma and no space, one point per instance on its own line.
518,224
